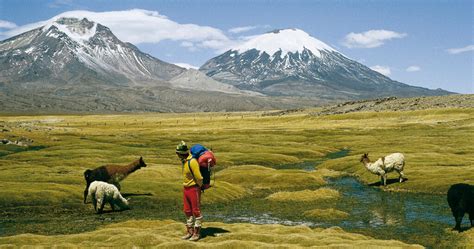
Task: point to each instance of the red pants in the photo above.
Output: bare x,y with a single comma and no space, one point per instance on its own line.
192,201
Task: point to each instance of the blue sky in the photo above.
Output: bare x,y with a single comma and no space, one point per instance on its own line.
422,43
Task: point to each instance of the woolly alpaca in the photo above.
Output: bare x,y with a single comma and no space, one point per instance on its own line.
111,174
461,200
384,165
102,192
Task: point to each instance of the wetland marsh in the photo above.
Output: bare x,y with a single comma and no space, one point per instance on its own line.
267,167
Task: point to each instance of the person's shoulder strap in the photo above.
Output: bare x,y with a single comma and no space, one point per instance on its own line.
191,170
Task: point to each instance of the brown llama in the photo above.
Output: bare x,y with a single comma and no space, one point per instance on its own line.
111,173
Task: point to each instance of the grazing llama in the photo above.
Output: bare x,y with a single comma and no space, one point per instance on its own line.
384,165
102,192
111,174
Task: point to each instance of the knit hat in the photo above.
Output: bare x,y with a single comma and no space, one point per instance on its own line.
182,148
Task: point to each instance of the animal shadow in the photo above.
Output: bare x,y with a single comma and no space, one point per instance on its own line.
212,231
135,194
109,211
389,181
463,229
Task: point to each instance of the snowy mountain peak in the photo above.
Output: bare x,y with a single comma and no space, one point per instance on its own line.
286,40
79,30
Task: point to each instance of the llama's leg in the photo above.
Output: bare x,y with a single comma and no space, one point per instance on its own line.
94,202
402,176
112,205
101,202
458,215
86,192
471,218
381,180
384,177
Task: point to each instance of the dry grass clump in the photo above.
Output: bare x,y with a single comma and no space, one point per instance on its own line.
166,234
223,192
305,195
326,214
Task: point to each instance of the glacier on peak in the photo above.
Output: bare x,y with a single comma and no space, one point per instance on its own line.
284,40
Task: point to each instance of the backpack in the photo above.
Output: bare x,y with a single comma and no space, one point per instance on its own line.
206,161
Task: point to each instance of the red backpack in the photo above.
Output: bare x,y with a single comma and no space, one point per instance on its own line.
206,161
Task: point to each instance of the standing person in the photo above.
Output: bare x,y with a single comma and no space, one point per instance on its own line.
192,192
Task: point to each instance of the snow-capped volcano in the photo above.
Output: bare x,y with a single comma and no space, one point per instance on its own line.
69,50
291,62
284,40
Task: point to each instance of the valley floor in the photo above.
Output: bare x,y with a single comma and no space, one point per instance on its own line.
293,179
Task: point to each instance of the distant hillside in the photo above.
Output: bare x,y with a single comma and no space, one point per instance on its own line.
400,104
66,100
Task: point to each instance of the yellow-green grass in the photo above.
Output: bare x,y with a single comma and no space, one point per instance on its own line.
258,177
326,214
437,145
305,195
166,233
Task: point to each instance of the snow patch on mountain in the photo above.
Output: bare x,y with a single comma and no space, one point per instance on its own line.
185,65
77,31
286,40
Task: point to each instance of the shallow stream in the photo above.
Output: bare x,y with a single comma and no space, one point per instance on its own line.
409,217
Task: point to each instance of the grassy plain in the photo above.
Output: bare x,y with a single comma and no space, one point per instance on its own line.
41,189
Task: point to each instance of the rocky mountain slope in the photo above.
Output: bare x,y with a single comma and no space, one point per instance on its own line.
76,65
290,62
72,51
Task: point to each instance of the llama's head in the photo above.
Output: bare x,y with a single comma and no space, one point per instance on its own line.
141,163
365,158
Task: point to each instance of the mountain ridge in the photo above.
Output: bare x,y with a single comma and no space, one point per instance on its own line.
76,65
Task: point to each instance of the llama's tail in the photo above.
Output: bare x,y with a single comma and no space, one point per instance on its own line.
87,174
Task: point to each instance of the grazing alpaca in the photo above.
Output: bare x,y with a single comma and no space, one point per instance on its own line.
384,165
102,192
111,174
461,200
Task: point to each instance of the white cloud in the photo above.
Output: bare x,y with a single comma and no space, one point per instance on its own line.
237,30
186,65
189,45
243,29
413,69
370,39
143,26
7,25
382,69
460,50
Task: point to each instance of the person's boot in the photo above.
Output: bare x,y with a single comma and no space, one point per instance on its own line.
196,235
189,233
